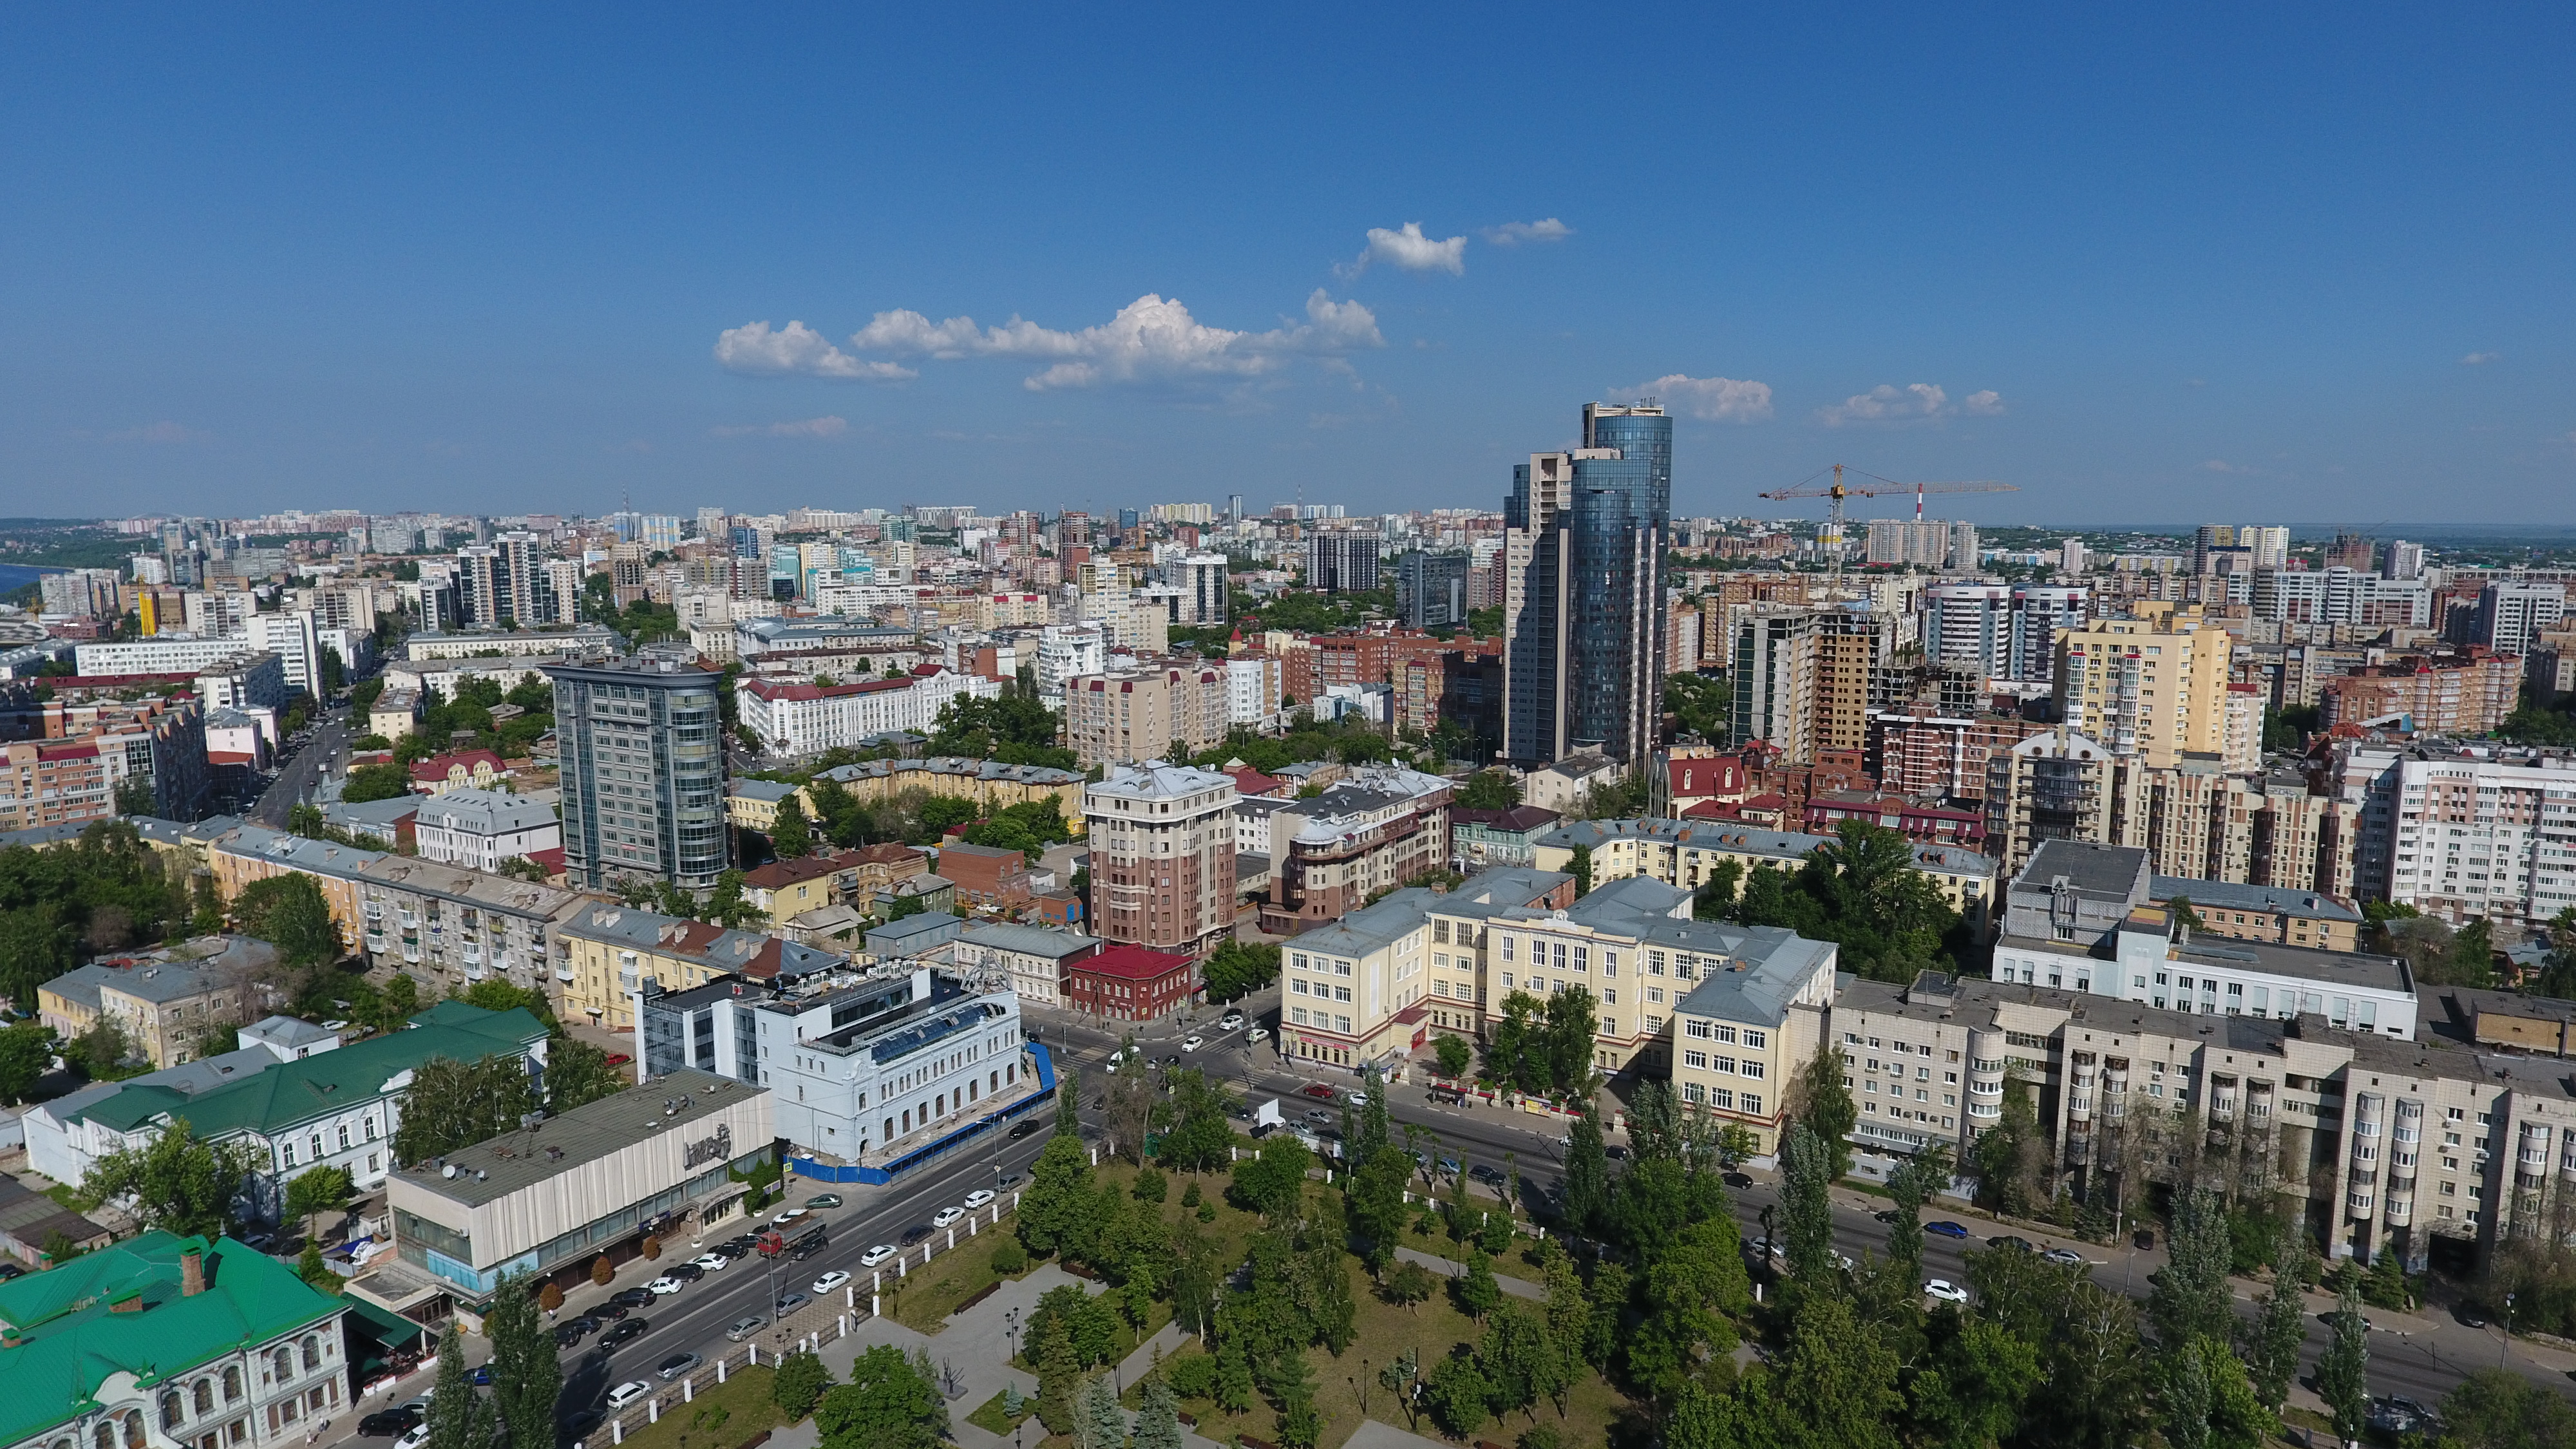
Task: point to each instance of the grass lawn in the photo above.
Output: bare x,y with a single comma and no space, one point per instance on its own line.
930,1295
1385,1332
988,1416
1513,1264
722,1416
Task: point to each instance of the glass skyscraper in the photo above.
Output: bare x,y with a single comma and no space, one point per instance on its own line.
642,746
1583,594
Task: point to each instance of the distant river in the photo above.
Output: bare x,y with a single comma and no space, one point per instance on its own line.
14,577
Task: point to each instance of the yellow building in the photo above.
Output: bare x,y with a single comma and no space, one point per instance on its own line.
604,954
251,853
992,785
1687,853
753,804
2147,689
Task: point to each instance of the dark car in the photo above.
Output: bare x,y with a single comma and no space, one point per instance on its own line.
632,1297
481,1376
569,1334
387,1424
1735,1180
1885,1215
687,1272
626,1332
610,1311
1029,1128
2007,1240
579,1426
730,1250
1490,1177
916,1233
1944,1228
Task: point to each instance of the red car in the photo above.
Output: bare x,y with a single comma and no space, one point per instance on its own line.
619,1059
1319,1092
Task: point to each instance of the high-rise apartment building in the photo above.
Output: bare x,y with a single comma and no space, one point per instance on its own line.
1929,543
1162,856
2007,631
1431,589
1343,560
2463,831
1202,581
2147,690
1146,712
643,769
2402,560
2053,786
1583,598
2514,612
2339,595
1802,676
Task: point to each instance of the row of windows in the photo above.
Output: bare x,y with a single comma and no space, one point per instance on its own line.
1700,1030
1728,1065
1722,1098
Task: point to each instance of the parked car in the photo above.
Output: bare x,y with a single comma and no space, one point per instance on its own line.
876,1255
1029,1127
1944,1228
1010,1181
481,1377
745,1326
731,1250
2063,1257
830,1282
915,1233
624,1333
664,1285
385,1423
611,1311
687,1272
632,1297
790,1302
628,1393
678,1364
945,1216
569,1334
789,1216
1946,1291
414,1437
823,1200
711,1262
2010,1240
1489,1176
978,1198
577,1426
618,1059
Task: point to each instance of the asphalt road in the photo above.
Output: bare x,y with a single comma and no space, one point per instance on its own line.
2417,1355
295,783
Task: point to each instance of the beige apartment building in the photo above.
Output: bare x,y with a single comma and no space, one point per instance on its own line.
1375,985
1687,853
992,785
1162,856
2146,689
1149,712
1374,829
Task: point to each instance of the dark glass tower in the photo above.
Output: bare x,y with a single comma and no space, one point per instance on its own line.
1583,595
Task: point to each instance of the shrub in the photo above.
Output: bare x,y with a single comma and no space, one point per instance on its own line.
1207,1212
1151,1185
1191,1375
652,1249
602,1272
800,1384
1190,1194
1010,1257
550,1297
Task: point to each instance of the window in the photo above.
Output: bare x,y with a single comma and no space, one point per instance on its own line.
1750,1101
1756,1039
172,1410
1726,1033
232,1385
1697,1060
1507,955
1695,1028
1721,1097
1751,1068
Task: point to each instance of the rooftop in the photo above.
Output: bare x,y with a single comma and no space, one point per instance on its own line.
1157,780
1027,940
960,766
750,952
2306,963
484,812
76,1338
1518,820
517,1160
1128,961
2104,872
2225,895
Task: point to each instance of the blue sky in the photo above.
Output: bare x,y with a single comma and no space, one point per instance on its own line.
2305,264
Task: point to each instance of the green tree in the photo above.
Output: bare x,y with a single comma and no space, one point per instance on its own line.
526,1376
1459,1397
789,838
1690,1291
174,1182
1489,790
1806,1208
1376,1208
1068,1096
288,911
1971,1395
459,1416
2343,1370
890,1402
1476,1290
455,1104
578,1073
1587,1177
799,1384
1836,1384
1158,1417
1572,1026
1821,1097
1058,1201
1272,1182
1910,1186
377,782
2273,1340
26,1051
35,947
316,1191
1200,1134
1582,868
2497,1409
1454,1054
1059,1373
2190,1297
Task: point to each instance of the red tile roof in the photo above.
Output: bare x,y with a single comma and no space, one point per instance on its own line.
776,689
437,768
1130,962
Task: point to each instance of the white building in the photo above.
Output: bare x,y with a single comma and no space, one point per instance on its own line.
802,719
1033,956
2514,612
479,829
161,654
298,647
1068,651
2462,831
246,681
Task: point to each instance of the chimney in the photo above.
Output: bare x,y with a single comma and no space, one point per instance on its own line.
192,1272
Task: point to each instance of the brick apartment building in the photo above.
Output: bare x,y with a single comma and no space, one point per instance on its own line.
53,782
1128,982
986,876
1146,712
1162,856
1368,833
2449,696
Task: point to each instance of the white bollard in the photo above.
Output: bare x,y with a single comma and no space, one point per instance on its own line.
849,1297
755,1355
970,1225
720,1370
617,1431
952,1240
876,1282
841,1321
873,1310
653,1410
688,1391
899,1264
1015,1204
1095,1157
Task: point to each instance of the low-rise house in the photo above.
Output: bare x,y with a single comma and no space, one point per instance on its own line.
785,889
1035,957
464,770
987,875
162,1340
479,829
450,926
603,953
167,1002
1128,982
2278,914
992,785
1564,785
753,804
1479,838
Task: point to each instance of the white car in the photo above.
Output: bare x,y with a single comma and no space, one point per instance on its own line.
1359,1099
876,1255
712,1262
1231,1021
978,1198
1258,1033
945,1216
665,1284
1192,1043
789,1216
415,1437
618,1398
830,1281
1946,1291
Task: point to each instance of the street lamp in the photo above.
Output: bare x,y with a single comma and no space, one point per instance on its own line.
1011,1325
2507,1345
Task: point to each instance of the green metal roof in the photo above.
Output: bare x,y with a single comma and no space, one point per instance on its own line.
73,1342
308,1087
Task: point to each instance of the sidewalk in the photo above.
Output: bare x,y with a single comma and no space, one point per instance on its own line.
1516,1287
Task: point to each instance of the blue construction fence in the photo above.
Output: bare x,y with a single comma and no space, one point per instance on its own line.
966,1136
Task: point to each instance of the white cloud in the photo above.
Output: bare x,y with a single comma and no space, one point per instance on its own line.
1913,403
1410,250
2479,359
1151,339
825,427
1513,233
2221,465
168,434
796,348
1710,399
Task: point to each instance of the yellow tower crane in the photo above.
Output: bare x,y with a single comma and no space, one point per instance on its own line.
1877,487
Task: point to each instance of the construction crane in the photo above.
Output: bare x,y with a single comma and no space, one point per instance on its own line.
1877,487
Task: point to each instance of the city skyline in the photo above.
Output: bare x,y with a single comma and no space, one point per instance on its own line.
383,266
